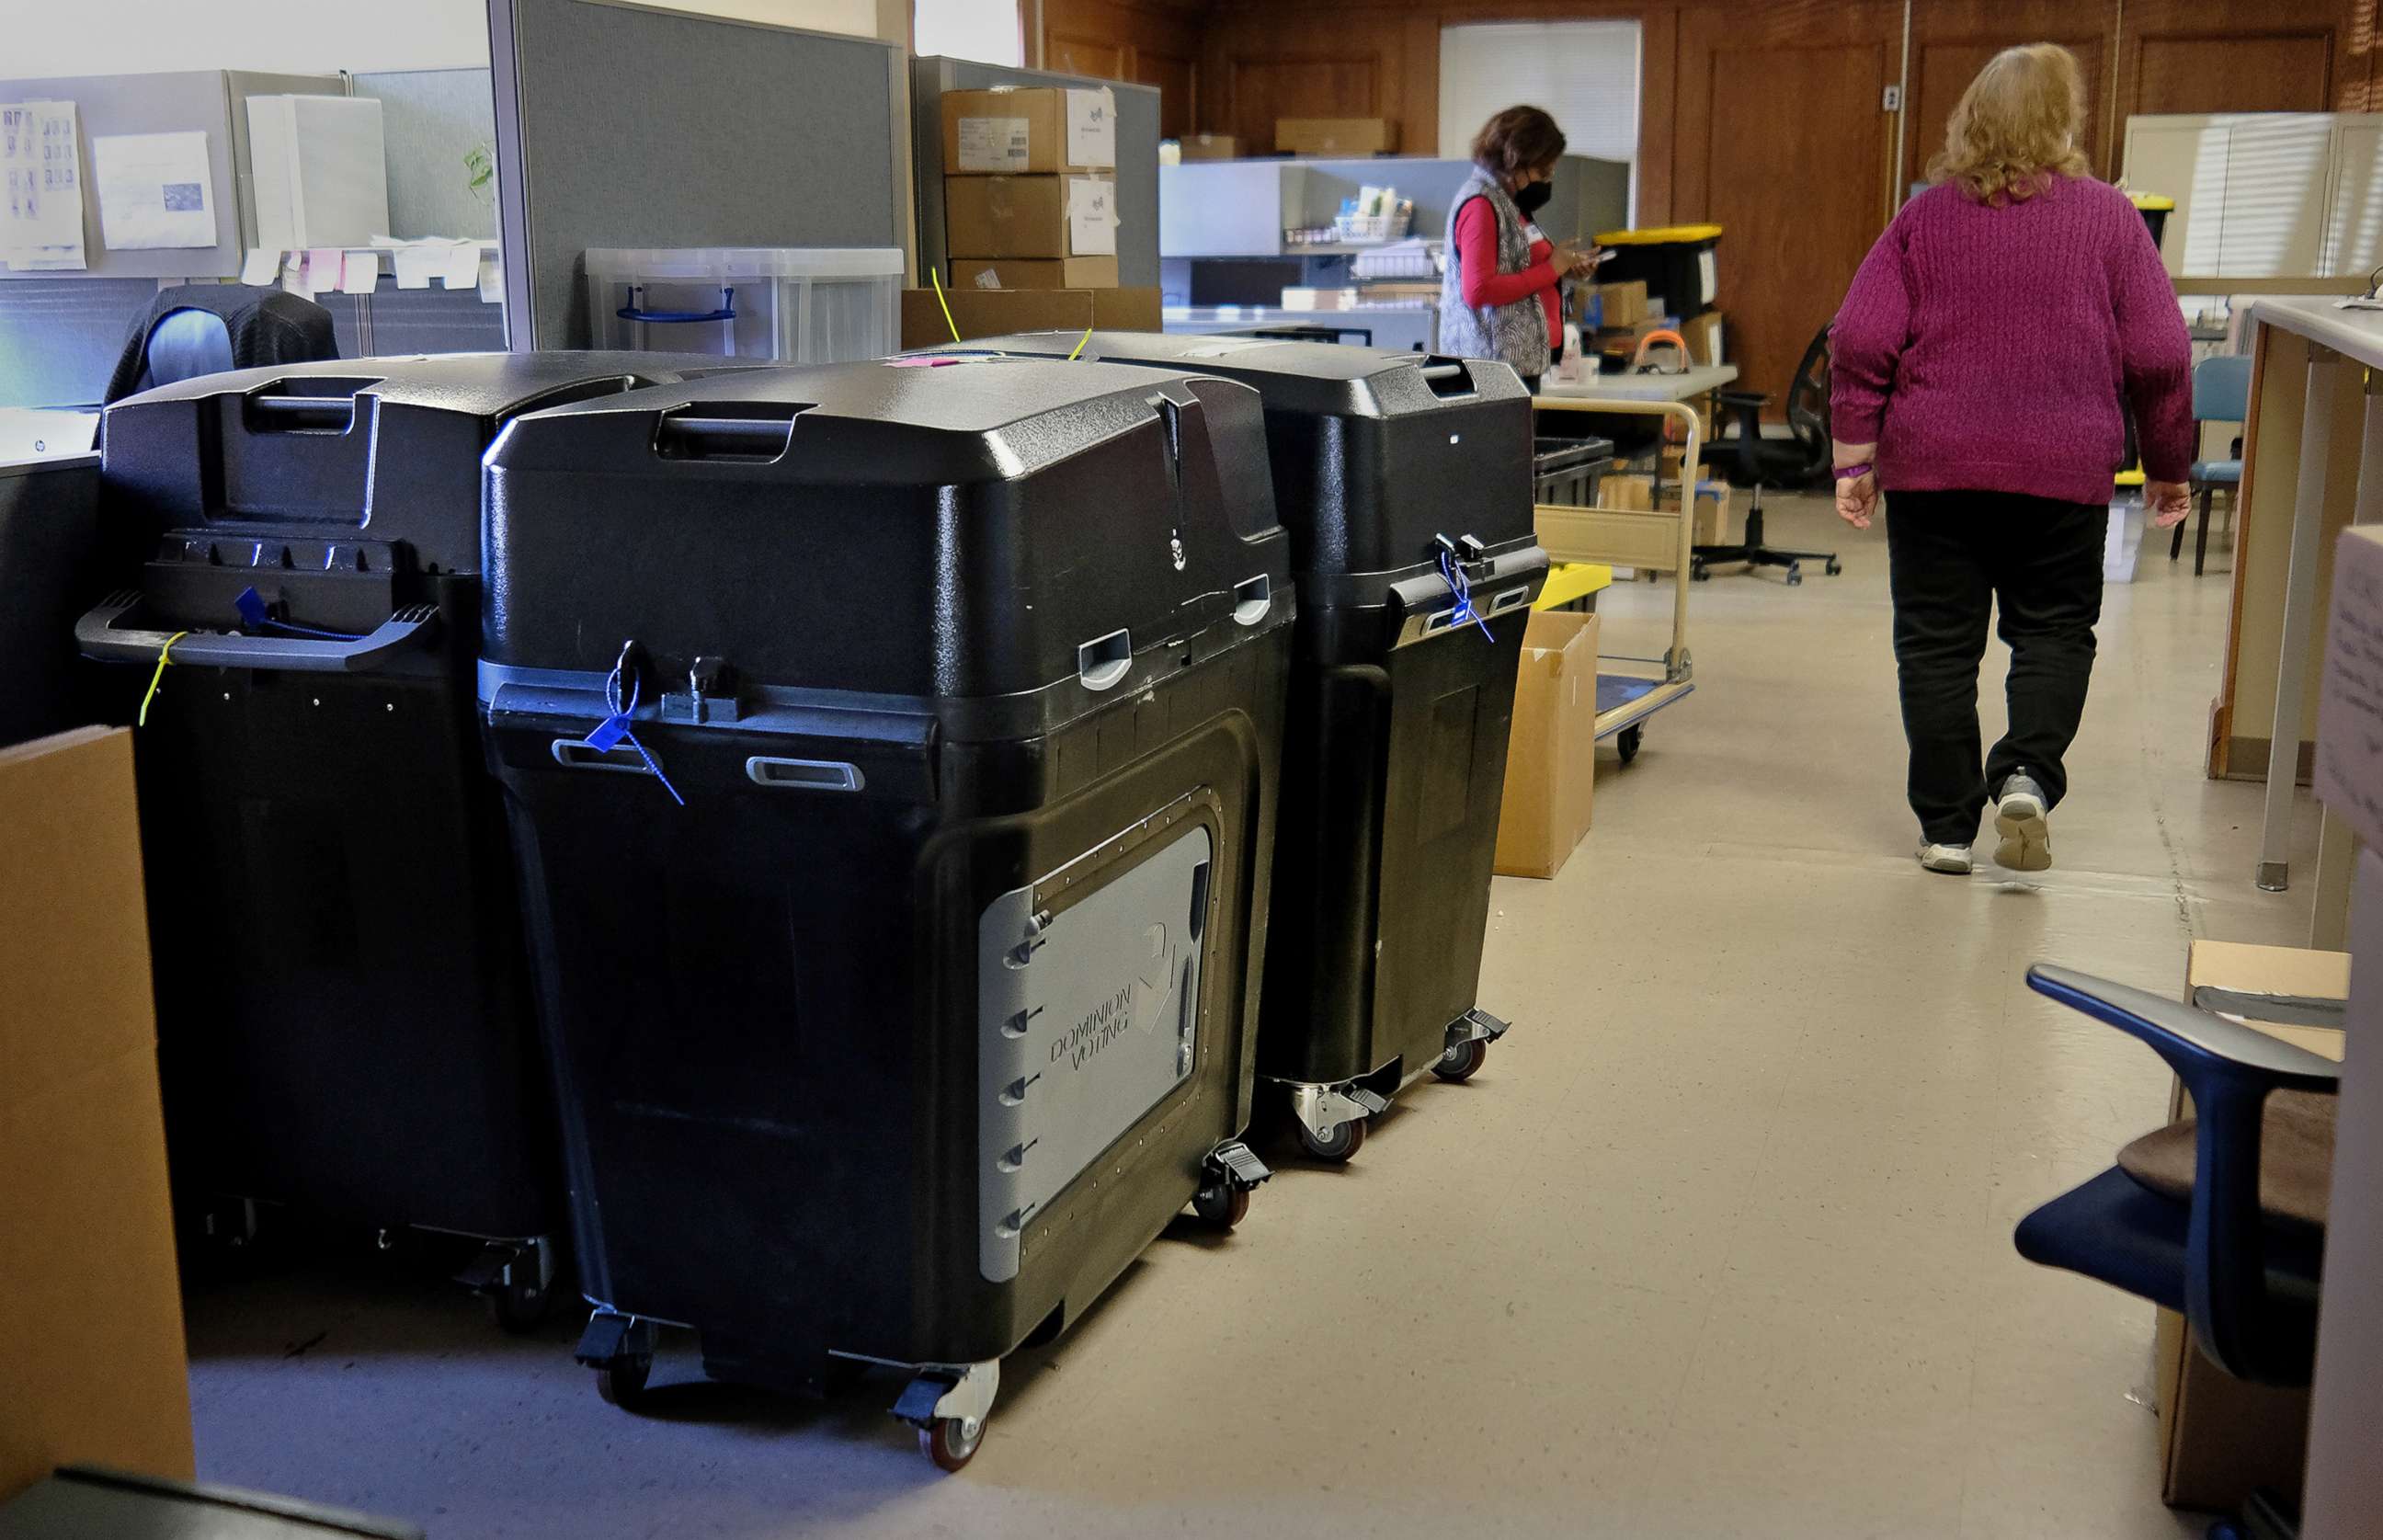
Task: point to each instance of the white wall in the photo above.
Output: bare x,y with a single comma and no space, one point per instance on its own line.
125,37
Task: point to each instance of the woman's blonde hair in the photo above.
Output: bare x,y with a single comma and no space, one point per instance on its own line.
2017,126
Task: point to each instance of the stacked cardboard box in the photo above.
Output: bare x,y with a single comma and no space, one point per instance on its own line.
1335,136
1028,202
1197,147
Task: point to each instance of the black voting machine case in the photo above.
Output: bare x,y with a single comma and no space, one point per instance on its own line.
343,1025
1394,762
891,752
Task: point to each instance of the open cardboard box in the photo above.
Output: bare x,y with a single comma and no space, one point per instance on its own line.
94,1371
999,311
1551,750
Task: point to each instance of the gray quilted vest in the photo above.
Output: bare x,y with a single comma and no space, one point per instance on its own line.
1517,333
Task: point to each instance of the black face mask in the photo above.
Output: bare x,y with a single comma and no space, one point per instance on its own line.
1532,199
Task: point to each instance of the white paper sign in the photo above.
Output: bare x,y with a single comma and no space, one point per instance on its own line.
1092,217
2349,711
461,267
41,176
260,268
492,281
417,265
1707,279
993,144
359,272
1092,127
153,190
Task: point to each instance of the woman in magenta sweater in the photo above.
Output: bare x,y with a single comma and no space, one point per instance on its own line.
1984,365
1501,295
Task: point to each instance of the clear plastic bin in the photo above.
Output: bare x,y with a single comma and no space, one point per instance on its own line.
793,304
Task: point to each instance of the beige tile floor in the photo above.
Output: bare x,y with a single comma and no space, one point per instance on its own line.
1718,1244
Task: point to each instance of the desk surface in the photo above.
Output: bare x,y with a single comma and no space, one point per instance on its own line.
2356,334
1643,388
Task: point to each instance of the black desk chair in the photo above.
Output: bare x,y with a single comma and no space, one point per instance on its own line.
2221,1216
1747,459
205,328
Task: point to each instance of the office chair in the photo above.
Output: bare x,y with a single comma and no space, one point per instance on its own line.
183,345
1747,459
2220,1216
2221,393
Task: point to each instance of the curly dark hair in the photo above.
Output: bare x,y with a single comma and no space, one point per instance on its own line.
1517,139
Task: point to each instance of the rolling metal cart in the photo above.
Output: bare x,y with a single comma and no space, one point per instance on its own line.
1628,695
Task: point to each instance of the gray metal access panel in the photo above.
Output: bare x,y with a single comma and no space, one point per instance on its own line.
1087,1018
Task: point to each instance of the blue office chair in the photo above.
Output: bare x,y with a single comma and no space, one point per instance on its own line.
183,345
2189,1218
2221,393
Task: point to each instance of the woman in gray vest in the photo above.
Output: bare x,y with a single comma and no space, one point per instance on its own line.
1501,297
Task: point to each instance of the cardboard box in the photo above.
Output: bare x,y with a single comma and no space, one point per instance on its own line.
1551,748
2221,1437
94,1371
1335,136
1086,272
1625,339
998,311
1029,217
1019,130
1612,304
1703,334
1714,502
1192,147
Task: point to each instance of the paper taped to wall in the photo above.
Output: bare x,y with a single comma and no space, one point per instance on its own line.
260,267
155,190
359,272
1092,127
41,167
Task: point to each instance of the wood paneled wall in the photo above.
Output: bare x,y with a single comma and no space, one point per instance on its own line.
1151,42
1767,115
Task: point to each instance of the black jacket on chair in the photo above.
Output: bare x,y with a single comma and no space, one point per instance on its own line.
267,326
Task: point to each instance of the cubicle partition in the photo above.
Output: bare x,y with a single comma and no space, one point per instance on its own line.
60,331
623,127
1137,153
432,121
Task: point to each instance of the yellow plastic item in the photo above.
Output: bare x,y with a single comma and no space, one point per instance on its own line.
1661,235
1568,581
2151,201
2130,478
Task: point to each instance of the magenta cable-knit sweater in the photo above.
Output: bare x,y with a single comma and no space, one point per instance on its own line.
1987,349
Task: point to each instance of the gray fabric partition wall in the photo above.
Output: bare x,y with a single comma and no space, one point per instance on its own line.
623,126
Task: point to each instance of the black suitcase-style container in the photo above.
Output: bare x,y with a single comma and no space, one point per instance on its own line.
343,1021
1406,484
891,752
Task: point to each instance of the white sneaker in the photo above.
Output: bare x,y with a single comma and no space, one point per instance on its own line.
1953,859
2019,819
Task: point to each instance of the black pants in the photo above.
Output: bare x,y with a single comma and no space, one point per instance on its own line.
1952,557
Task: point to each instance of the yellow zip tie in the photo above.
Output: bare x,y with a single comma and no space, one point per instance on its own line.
1079,344
947,309
165,656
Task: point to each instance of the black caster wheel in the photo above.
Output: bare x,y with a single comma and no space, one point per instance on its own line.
1221,1206
1698,574
1835,566
950,1442
1463,1062
623,1383
519,1308
1627,742
1794,576
1336,1146
2226,1529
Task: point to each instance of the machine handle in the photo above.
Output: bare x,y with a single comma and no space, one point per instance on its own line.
100,636
635,311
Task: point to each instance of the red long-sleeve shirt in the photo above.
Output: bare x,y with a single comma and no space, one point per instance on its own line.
1988,348
1476,267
